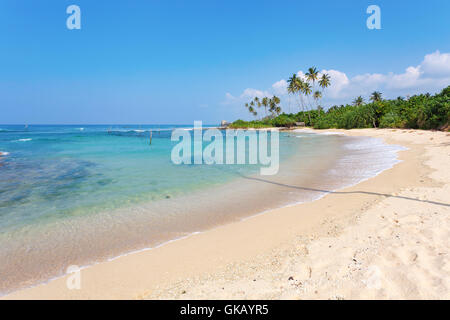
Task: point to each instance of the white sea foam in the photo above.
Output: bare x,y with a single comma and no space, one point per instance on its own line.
373,153
331,133
143,130
325,133
23,140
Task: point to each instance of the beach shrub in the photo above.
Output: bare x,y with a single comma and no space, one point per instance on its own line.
283,121
241,124
392,120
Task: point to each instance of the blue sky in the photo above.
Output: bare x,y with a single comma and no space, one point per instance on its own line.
179,61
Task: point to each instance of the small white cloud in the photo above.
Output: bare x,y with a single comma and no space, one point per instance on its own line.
436,63
280,87
229,96
301,75
404,80
250,93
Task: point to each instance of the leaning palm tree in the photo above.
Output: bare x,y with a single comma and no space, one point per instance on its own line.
278,110
252,106
376,96
292,87
275,109
358,101
252,111
295,86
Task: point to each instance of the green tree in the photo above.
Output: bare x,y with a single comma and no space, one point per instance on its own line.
358,101
275,108
295,87
312,75
324,81
306,90
376,96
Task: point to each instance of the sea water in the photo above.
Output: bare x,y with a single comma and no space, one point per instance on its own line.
80,194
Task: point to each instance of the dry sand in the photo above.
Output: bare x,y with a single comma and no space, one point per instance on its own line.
386,238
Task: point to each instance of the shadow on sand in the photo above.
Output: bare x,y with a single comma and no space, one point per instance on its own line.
343,192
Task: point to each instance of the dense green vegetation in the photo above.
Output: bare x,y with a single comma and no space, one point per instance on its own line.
422,111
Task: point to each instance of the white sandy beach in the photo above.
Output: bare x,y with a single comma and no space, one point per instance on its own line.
385,238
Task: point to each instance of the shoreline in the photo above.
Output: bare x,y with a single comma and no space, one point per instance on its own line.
138,274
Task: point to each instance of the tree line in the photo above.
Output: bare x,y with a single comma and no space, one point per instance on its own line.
422,111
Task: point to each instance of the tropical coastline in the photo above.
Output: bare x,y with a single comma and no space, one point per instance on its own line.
227,262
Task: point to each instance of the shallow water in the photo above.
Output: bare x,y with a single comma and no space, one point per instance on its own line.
74,195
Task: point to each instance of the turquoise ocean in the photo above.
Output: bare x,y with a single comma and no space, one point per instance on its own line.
82,194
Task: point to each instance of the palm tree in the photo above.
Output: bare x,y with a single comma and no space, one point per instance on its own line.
358,101
312,75
324,81
265,103
250,108
278,110
295,86
292,88
252,111
376,96
317,95
306,89
274,105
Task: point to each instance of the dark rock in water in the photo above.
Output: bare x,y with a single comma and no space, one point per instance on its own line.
168,197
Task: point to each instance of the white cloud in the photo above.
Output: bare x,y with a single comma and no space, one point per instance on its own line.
436,63
339,82
251,93
431,75
280,87
247,95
